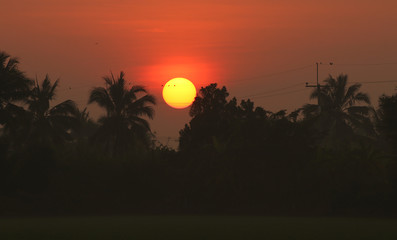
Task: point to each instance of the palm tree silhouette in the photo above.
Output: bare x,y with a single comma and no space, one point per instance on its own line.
14,86
123,124
50,124
341,107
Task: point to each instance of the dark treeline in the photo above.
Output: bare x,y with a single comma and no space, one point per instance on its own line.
337,157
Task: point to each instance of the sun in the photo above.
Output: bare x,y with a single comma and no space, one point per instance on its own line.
179,93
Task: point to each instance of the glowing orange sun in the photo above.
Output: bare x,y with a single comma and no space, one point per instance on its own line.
179,93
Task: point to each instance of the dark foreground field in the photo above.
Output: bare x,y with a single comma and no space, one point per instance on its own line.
196,227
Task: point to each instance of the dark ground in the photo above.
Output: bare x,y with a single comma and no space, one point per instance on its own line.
196,227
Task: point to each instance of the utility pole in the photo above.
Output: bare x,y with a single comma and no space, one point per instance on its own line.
318,86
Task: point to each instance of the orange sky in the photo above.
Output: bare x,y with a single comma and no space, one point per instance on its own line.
237,43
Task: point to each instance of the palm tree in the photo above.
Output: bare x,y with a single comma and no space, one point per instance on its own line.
50,124
387,119
14,86
123,124
341,109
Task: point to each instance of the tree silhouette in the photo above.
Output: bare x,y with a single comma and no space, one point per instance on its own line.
342,109
209,100
50,124
210,123
87,126
123,123
14,86
235,157
387,118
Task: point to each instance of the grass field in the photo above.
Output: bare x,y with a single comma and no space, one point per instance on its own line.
196,227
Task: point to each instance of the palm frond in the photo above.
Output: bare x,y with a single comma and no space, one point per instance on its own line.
101,96
314,95
362,97
3,59
63,122
53,88
12,64
108,81
140,124
148,99
338,91
362,110
147,111
67,107
139,107
349,97
137,89
330,81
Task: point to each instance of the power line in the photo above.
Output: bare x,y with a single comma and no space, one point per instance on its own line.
366,64
86,86
271,74
391,81
280,94
263,95
272,91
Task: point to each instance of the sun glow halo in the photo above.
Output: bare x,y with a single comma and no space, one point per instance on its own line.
179,93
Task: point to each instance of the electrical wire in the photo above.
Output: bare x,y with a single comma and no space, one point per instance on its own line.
281,94
391,81
261,95
271,74
264,94
275,90
365,64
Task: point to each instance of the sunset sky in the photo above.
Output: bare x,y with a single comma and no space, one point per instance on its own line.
253,47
